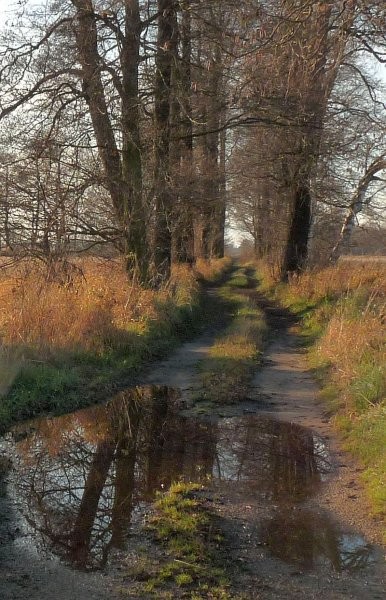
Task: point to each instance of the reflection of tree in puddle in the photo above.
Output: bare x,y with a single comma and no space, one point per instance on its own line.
276,460
83,479
307,539
80,477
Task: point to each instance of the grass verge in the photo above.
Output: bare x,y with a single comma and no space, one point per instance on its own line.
342,310
67,346
191,542
232,360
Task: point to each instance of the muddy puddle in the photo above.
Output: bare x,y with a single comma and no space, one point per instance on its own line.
80,484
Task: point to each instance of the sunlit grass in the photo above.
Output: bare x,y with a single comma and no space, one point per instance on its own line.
90,305
212,270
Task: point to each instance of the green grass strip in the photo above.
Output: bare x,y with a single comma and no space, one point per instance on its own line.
227,372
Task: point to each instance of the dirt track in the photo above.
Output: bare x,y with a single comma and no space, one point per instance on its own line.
288,389
283,388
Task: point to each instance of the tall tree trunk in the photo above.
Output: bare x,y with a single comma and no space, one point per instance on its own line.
166,53
200,228
183,233
7,233
218,227
215,203
314,90
135,218
297,245
175,158
259,220
123,177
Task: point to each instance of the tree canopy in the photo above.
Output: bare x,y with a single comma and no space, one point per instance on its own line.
142,125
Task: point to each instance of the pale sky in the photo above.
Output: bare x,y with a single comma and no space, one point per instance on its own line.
4,6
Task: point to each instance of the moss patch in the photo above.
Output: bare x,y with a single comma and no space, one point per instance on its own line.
192,543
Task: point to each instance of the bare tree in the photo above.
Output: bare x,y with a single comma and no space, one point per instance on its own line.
357,204
154,94
288,89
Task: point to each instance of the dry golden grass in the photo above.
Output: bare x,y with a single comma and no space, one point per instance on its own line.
350,305
73,333
331,281
347,343
211,270
83,307
335,281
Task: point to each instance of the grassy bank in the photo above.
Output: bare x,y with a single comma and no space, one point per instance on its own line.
73,337
343,315
232,360
188,566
